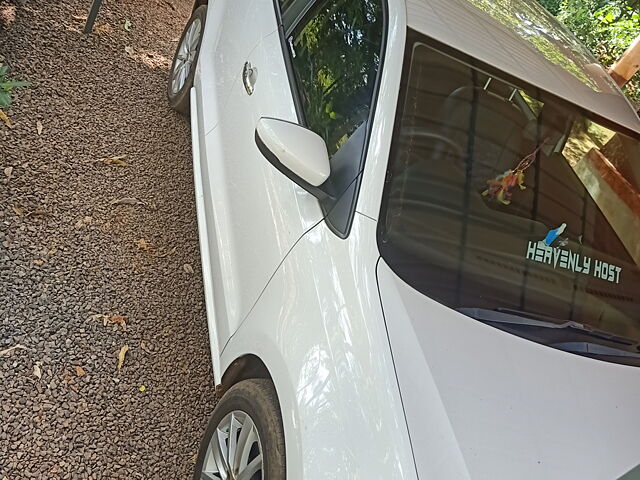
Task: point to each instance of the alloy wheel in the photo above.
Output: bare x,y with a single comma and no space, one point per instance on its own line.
186,56
234,451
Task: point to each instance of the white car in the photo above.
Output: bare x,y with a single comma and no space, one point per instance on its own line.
419,224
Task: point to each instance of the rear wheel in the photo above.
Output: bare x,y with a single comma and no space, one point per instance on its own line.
244,439
184,62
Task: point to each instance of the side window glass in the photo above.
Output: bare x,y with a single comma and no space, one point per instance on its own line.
335,56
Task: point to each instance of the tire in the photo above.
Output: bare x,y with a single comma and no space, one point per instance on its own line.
254,399
178,89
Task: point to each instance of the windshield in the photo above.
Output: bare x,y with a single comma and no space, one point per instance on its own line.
500,198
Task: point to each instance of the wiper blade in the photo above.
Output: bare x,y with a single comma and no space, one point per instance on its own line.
593,349
520,318
516,317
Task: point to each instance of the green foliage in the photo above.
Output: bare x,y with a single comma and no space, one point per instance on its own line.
336,57
552,5
6,86
607,27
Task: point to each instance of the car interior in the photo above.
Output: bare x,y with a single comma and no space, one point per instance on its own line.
460,129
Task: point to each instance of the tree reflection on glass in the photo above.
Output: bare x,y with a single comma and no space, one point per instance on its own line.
336,56
540,29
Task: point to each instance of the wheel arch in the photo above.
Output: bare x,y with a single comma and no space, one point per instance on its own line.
199,3
243,368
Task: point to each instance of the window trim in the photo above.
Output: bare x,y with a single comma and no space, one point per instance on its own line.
285,34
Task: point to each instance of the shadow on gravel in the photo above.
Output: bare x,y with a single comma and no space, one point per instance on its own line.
98,250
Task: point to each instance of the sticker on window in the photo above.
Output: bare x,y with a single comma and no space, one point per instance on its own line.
542,251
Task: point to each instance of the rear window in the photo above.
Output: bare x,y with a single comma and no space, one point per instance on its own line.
499,199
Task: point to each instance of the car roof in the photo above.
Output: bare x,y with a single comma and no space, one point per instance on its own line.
522,39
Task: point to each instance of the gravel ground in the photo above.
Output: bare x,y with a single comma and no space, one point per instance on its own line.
73,263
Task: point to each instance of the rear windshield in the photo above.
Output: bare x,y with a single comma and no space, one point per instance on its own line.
499,199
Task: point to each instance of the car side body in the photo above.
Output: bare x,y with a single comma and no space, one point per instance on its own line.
365,390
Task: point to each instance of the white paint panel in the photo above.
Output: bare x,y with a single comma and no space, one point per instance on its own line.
504,407
318,327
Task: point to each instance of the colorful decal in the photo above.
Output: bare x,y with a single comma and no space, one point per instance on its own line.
500,186
542,251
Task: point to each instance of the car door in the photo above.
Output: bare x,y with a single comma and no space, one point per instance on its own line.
320,70
254,214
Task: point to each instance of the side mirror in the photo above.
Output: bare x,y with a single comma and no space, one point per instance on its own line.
297,152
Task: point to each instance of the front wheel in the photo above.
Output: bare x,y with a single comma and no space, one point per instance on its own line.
244,439
183,67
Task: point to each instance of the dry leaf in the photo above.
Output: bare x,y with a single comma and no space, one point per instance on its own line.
142,388
127,201
128,25
38,262
5,119
55,469
115,161
37,211
102,28
39,127
11,349
17,211
144,346
99,316
121,354
84,221
187,268
81,18
8,172
144,245
36,370
129,50
79,371
117,320
166,254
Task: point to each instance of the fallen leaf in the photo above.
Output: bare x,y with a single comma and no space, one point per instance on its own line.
5,119
187,268
84,221
127,201
39,127
36,212
129,50
81,18
128,25
115,161
144,346
142,388
102,28
36,370
38,262
99,316
166,254
121,354
144,245
17,211
8,172
55,469
79,371
11,349
117,320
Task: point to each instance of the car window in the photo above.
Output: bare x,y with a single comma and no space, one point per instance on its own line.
335,54
503,198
